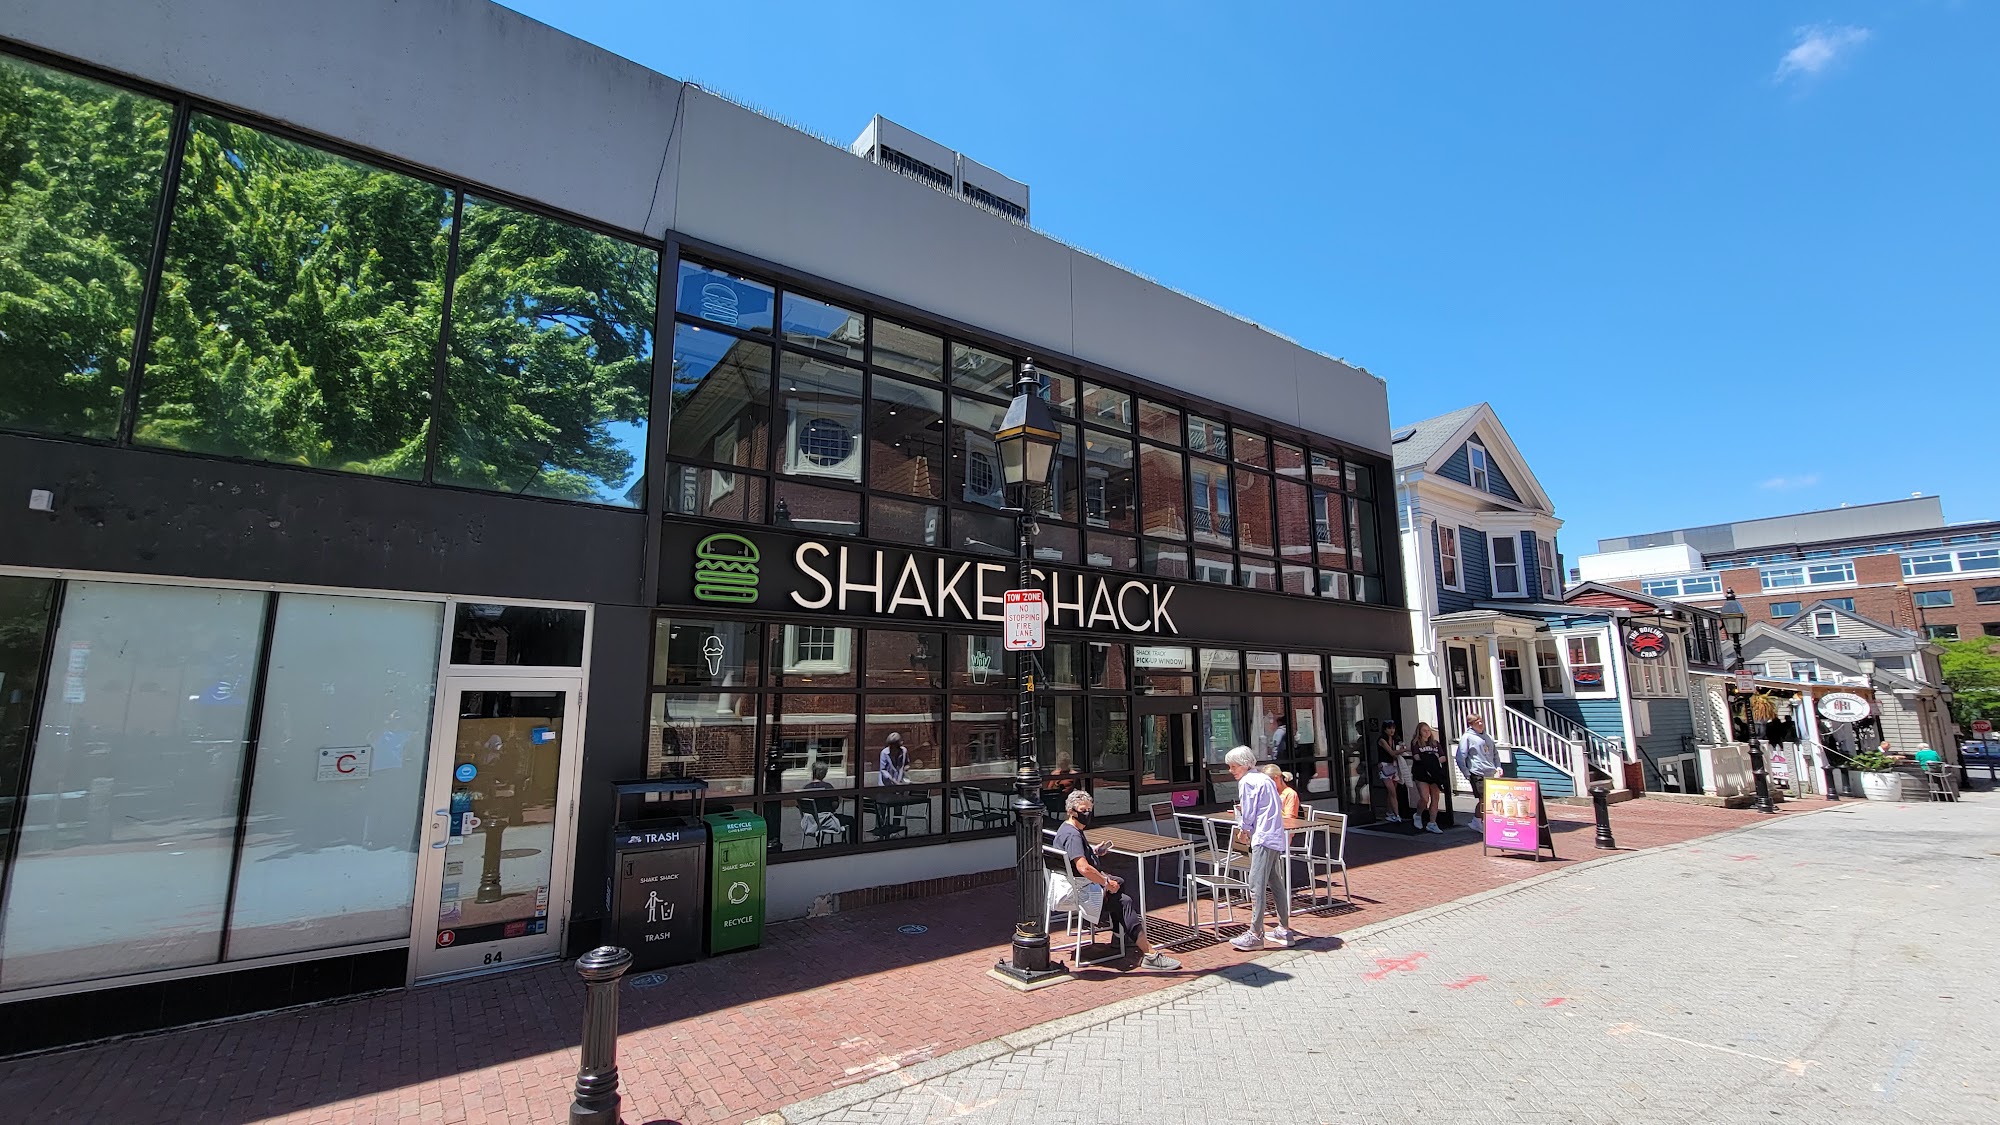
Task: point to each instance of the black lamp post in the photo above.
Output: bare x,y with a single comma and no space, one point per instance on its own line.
1735,622
1027,438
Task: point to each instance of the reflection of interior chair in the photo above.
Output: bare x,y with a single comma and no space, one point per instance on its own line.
1167,823
891,813
1067,897
969,805
822,823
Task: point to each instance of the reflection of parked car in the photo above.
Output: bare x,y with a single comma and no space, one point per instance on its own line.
1981,755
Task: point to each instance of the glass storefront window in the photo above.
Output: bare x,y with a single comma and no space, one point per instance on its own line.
1165,495
721,398
1214,510
1110,734
1215,567
1257,574
1110,667
1160,423
1108,476
1061,493
1060,665
900,814
1360,670
905,522
1325,471
1106,406
1059,742
1118,552
1361,481
1221,669
1206,435
1298,580
1166,560
906,436
1253,513
1164,669
982,737
982,372
917,757
711,735
818,419
1330,528
1288,459
125,850
822,327
1295,522
816,656
81,178
984,533
1302,673
1266,673
1333,584
1221,731
905,660
716,494
338,793
25,605
907,351
706,653
1059,391
549,376
978,661
1055,545
1251,449
815,511
517,635
811,738
1364,537
724,298
812,822
237,366
977,477
1269,727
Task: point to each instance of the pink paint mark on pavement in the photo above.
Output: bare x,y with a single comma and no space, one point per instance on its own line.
1468,982
1553,1003
1741,858
1386,965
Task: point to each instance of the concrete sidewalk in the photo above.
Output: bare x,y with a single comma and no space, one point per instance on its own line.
1823,969
827,1004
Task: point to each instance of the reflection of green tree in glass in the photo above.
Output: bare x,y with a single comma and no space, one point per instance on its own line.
299,312
552,341
80,171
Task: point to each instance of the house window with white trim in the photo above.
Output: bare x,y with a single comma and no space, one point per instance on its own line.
1545,562
817,649
1805,671
1941,632
1932,599
1448,561
1586,665
1783,610
1475,456
1549,667
1506,565
1825,623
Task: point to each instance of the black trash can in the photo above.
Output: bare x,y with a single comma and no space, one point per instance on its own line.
659,904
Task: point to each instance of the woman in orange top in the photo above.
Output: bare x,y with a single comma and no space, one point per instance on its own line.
1288,797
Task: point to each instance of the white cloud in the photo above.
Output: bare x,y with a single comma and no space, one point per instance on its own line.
1819,47
1787,484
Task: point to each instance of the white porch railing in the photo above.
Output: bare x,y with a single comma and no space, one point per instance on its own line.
1513,729
1605,754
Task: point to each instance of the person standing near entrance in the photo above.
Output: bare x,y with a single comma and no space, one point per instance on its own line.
1389,771
1478,759
1260,823
1429,770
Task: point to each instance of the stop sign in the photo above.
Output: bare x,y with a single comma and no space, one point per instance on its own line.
1981,726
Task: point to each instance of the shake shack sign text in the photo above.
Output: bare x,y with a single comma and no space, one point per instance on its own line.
790,575
854,578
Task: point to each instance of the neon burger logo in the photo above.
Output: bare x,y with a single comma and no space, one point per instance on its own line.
725,569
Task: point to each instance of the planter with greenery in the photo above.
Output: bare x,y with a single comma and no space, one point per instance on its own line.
1880,780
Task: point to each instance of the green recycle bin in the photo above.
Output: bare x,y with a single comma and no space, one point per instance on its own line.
735,881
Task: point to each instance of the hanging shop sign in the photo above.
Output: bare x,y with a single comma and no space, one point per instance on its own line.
1844,707
1647,642
774,571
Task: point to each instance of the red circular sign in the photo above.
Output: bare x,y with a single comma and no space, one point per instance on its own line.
1981,726
446,937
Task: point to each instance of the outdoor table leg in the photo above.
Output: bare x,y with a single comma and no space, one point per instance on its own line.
1139,862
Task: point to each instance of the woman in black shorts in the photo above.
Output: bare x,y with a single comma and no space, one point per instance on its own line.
1429,774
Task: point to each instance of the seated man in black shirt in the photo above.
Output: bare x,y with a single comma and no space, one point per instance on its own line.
1081,857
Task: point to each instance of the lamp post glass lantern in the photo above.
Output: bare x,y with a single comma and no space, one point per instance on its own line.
1027,438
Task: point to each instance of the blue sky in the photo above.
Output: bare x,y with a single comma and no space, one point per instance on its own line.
1709,261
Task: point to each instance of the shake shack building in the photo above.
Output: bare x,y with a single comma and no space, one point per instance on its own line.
417,421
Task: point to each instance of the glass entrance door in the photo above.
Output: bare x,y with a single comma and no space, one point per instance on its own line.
1360,714
495,883
1167,747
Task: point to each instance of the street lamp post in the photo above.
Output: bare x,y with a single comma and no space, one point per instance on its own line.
1735,622
1027,439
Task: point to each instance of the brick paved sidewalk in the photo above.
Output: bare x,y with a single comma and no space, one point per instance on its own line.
824,1004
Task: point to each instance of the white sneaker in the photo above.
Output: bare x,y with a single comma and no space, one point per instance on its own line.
1247,942
1478,825
1282,938
1392,818
1433,827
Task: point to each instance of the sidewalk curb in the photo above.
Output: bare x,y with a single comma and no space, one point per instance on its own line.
1257,971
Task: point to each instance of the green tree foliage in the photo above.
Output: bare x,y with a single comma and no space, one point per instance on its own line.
300,311
80,171
1971,669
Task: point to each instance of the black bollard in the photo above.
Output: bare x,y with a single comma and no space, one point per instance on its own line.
1600,804
597,1070
1826,771
1763,782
